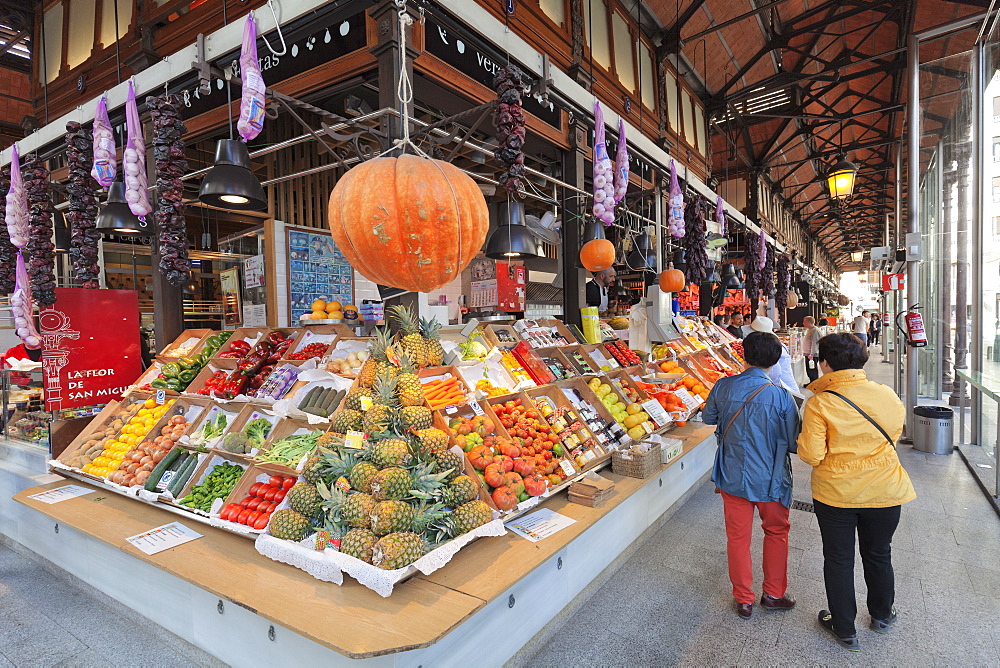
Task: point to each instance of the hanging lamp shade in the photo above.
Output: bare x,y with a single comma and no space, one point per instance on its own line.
619,291
840,179
857,254
680,259
230,184
511,238
643,258
116,217
594,231
730,281
713,275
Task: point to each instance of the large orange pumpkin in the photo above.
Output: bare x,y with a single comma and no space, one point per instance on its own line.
408,222
597,255
672,280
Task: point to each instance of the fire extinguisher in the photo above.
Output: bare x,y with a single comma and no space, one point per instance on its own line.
915,334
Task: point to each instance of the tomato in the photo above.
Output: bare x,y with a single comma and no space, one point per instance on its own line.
255,489
255,504
228,511
242,517
288,484
271,493
252,518
280,496
247,501
276,481
262,521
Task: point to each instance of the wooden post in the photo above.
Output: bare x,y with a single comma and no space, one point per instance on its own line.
574,166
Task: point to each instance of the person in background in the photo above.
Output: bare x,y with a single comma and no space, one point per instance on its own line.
874,329
736,325
809,347
597,288
757,426
860,327
21,352
781,372
849,430
721,320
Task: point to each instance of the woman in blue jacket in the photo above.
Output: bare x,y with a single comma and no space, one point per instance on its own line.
757,427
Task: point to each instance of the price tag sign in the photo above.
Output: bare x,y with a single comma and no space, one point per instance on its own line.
690,401
567,467
366,403
451,410
161,397
655,411
354,440
476,408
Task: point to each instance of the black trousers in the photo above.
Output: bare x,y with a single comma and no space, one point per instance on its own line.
874,528
873,337
812,370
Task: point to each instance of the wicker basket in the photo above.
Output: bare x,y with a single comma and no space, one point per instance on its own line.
636,465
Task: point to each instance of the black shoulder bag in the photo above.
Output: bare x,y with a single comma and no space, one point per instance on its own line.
865,415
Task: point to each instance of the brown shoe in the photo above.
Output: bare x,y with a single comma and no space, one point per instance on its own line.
786,602
744,610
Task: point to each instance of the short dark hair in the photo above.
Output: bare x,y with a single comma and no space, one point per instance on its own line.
842,351
721,318
762,349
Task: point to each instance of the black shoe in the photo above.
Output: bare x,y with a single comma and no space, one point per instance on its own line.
786,602
882,625
849,642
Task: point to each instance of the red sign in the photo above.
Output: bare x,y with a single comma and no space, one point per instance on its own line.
893,282
90,346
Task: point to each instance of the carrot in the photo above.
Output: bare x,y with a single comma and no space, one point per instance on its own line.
443,388
433,383
447,400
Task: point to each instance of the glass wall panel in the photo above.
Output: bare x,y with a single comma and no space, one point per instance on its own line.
52,24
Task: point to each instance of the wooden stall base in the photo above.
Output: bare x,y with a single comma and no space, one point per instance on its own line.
349,619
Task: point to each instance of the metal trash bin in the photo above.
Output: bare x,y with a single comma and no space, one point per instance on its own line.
933,429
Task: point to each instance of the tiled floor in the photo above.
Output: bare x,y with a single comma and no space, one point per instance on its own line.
671,603
44,621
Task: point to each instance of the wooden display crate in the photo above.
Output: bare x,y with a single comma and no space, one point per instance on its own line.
325,334
556,324
249,334
499,335
558,399
102,422
599,357
205,466
230,410
288,427
555,353
428,374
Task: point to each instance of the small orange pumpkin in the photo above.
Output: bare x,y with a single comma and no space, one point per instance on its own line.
408,222
597,255
672,280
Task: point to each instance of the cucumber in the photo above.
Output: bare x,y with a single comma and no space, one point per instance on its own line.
310,396
158,470
331,403
321,398
183,475
315,411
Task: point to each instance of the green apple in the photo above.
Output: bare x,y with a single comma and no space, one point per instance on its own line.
608,400
603,390
620,406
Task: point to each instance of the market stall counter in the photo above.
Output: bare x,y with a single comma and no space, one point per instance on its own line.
495,594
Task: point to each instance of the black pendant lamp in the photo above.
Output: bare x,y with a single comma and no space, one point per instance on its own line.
117,218
730,281
230,184
680,259
594,231
512,239
643,258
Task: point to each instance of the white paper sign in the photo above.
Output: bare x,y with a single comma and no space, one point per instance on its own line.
58,494
656,412
163,538
540,524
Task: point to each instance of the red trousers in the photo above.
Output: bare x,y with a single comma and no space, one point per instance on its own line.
739,528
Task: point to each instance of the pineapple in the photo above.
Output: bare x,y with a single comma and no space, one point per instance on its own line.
289,525
465,518
450,463
408,384
412,343
432,440
358,543
353,400
361,476
390,452
377,359
390,516
416,417
433,352
356,510
347,420
384,413
428,514
330,440
397,550
460,490
313,470
304,499
391,483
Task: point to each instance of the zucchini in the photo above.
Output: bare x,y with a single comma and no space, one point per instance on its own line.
331,403
158,470
310,397
315,411
183,475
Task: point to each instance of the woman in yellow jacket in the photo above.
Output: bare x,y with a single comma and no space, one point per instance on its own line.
849,430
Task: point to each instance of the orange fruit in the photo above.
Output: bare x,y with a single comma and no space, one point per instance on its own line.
681,423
